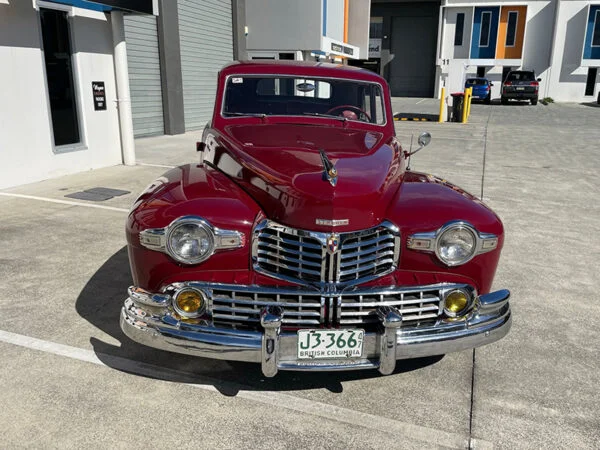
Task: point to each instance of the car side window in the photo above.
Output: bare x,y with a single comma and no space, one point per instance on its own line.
373,104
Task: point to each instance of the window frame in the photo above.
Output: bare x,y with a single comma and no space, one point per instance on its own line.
77,88
596,28
489,33
462,30
514,44
222,114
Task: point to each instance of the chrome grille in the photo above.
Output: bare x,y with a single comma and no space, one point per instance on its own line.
239,307
367,254
290,255
308,257
417,308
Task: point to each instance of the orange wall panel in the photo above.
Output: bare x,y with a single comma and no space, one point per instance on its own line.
346,5
516,52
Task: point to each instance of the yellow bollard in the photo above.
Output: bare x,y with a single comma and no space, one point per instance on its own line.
442,99
464,111
470,100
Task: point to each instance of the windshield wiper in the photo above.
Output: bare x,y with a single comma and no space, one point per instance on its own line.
261,115
330,116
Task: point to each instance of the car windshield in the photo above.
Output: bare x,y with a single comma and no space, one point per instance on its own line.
250,95
477,81
520,76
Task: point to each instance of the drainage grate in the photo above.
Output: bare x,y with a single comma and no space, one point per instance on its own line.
106,191
98,194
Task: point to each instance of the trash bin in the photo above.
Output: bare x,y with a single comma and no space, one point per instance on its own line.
458,102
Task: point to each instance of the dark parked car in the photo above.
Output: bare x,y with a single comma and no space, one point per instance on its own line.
482,88
520,85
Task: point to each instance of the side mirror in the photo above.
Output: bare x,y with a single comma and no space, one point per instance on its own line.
491,84
424,140
539,79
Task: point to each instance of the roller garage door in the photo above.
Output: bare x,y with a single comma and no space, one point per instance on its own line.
414,38
206,39
144,75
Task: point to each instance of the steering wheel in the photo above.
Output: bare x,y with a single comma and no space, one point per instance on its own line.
352,108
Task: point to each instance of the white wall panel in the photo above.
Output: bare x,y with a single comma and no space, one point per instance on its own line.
26,143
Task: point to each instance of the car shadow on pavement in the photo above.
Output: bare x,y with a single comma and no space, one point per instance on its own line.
100,304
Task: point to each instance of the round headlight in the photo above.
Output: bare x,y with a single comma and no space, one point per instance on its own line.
456,245
190,241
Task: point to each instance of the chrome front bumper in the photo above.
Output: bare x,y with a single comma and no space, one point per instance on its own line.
276,349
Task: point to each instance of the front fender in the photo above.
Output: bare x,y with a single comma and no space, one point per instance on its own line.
425,203
189,190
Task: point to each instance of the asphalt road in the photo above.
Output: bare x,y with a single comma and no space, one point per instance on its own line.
69,378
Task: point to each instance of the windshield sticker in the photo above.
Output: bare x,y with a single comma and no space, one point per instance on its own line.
237,80
306,87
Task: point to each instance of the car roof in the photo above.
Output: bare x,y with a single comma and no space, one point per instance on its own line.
304,68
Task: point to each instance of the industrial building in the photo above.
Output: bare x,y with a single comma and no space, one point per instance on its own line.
420,47
82,79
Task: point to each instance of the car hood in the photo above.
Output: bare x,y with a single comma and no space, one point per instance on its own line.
280,166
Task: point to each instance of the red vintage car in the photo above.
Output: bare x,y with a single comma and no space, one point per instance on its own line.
302,241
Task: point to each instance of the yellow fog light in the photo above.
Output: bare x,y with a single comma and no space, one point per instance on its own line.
190,302
456,303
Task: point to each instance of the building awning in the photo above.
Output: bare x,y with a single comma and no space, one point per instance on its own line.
136,6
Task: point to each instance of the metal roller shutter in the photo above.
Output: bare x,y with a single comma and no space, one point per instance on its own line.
206,39
144,75
414,37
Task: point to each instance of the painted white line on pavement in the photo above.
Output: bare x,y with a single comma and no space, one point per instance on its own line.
273,399
155,165
422,100
63,202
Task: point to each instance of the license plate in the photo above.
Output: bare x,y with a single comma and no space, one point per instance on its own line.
330,344
520,89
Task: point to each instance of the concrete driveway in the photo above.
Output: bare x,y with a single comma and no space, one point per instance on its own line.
71,379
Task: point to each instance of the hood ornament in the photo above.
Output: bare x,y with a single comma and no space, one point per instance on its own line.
330,173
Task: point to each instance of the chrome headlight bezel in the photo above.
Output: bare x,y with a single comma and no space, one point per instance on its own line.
430,242
449,228
159,239
202,225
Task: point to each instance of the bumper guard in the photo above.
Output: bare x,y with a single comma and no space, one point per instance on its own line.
276,350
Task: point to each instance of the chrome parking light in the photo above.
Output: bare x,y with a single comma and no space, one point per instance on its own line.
189,302
457,302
